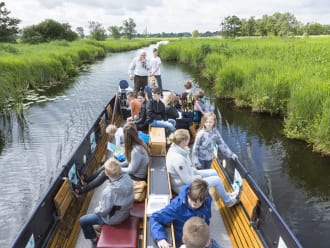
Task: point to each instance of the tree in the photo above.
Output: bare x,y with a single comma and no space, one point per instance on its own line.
8,26
47,31
97,31
129,28
231,26
115,31
195,34
80,31
313,28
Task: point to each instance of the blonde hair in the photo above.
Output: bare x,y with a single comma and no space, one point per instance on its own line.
196,233
178,136
110,131
152,77
169,98
112,168
205,117
199,94
187,84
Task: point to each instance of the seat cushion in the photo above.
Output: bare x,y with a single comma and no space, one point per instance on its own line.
138,210
124,235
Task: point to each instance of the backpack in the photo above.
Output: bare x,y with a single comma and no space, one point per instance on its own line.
187,102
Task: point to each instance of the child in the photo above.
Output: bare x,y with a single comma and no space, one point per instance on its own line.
187,100
207,137
193,200
148,88
199,106
134,104
196,233
116,203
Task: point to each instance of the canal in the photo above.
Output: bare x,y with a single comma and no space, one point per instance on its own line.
33,149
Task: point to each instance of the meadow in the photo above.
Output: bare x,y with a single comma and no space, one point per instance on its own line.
289,77
24,67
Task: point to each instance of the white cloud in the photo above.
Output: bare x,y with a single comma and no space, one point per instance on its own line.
162,15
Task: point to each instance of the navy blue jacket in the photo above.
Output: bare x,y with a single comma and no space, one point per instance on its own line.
178,211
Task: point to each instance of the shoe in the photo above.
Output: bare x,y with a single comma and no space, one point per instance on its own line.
94,242
75,190
82,178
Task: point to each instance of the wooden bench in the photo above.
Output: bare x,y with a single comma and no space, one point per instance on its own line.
239,220
63,199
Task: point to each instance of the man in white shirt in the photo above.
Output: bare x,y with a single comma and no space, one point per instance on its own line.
155,63
139,71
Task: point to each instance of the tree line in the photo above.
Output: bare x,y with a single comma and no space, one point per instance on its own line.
278,24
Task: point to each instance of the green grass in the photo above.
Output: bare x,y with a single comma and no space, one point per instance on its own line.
288,77
24,66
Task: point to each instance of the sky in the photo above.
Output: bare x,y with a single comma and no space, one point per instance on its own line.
157,16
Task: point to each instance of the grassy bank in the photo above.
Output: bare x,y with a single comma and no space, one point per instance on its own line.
24,67
290,77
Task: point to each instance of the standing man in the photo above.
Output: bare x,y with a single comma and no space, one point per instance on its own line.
155,68
139,70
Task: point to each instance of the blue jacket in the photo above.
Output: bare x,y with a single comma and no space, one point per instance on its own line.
178,211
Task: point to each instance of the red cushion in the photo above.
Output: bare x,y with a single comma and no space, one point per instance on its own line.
138,210
124,235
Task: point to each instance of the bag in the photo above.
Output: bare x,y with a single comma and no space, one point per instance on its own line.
139,190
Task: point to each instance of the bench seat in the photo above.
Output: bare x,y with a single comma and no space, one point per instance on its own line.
138,209
124,235
238,219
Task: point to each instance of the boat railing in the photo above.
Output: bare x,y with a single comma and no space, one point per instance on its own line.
270,226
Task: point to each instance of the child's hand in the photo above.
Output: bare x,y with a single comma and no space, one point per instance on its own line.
234,157
163,244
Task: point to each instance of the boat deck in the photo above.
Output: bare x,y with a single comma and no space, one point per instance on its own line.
218,230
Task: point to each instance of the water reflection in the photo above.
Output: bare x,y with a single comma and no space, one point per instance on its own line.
294,178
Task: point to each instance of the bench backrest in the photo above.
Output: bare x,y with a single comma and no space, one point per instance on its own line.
63,199
249,200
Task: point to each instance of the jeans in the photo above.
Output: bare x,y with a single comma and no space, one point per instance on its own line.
159,82
205,164
95,180
213,180
87,221
214,244
169,125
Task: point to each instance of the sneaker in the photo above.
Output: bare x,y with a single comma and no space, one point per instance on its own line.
75,190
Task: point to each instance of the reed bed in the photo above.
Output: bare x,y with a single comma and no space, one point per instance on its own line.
24,67
287,77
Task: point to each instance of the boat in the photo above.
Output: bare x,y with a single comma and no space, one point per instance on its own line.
55,221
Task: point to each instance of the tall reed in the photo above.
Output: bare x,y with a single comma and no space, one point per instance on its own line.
289,77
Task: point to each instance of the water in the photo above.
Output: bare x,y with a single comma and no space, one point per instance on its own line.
33,150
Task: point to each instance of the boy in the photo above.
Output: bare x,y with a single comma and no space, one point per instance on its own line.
135,106
116,203
196,233
148,88
155,63
193,200
156,116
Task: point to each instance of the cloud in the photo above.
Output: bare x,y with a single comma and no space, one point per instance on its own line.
163,15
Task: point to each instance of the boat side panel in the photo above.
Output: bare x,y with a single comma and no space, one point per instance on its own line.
270,226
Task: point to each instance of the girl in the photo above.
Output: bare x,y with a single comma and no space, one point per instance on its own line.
182,172
136,163
207,137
